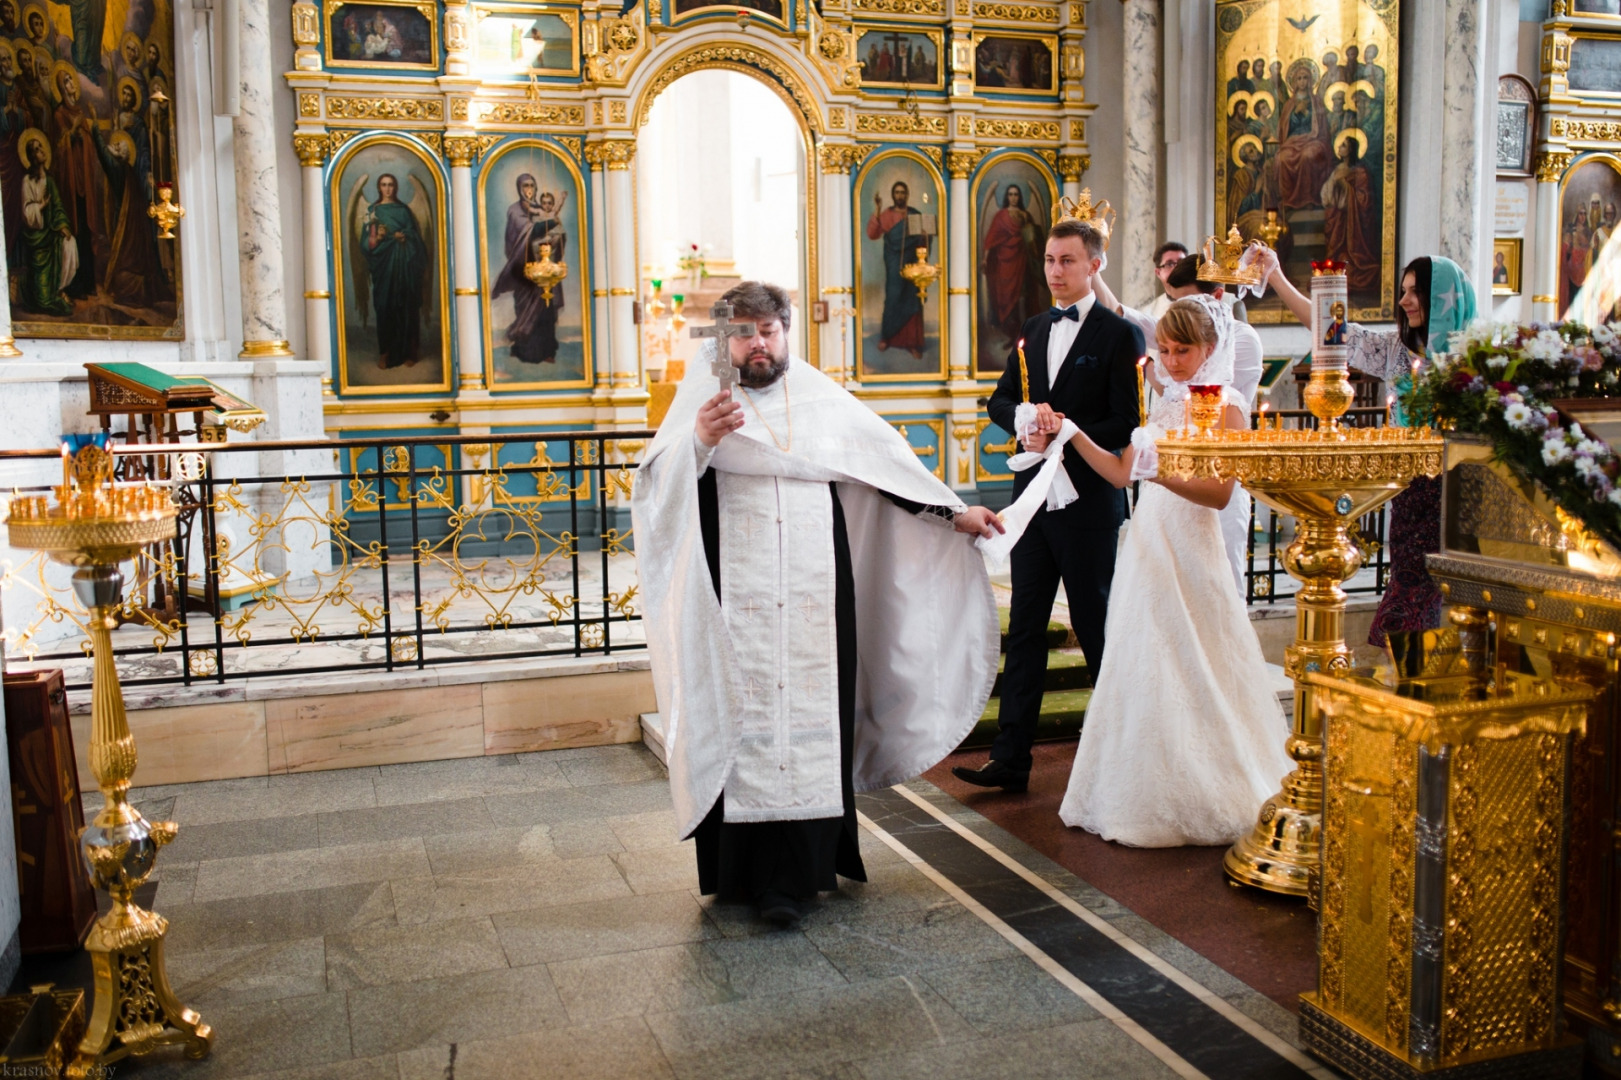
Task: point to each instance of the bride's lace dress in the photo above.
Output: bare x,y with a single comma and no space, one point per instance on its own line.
1184,736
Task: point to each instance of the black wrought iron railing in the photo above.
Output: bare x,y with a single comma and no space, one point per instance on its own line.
398,554
362,554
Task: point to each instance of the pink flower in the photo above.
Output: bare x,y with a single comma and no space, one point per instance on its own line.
1590,358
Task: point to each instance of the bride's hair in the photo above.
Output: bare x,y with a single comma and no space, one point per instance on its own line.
1186,322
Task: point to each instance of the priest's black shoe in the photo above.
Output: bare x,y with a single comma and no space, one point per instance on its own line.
779,908
995,774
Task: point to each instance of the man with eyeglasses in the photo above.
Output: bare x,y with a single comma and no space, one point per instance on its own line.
1165,259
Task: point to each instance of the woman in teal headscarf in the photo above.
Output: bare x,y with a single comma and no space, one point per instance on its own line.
1434,301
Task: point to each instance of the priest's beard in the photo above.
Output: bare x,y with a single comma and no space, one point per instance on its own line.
762,367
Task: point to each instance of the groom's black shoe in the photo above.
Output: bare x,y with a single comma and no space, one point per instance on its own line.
995,774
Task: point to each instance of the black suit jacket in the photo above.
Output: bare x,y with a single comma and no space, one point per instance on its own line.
1096,388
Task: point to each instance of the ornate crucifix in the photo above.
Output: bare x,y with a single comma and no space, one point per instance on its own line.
723,330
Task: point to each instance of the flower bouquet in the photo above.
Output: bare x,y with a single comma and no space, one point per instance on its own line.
693,263
1500,383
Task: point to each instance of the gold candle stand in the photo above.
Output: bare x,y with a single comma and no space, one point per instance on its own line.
94,527
1325,479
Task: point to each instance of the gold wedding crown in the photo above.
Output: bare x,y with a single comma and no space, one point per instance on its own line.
1221,261
1099,215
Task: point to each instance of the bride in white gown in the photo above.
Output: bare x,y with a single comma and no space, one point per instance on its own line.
1184,737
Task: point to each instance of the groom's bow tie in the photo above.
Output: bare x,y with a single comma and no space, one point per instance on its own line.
1065,313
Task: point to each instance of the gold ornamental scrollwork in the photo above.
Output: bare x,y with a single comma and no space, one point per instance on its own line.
1073,166
1027,130
573,142
615,154
1550,165
842,158
458,108
312,150
309,105
836,53
381,108
1607,131
961,163
461,150
338,137
456,38
899,124
612,46
531,113
735,57
306,24
902,7
1019,13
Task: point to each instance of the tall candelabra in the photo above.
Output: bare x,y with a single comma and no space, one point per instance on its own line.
1326,479
94,526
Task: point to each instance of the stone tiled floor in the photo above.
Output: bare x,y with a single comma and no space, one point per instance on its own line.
534,916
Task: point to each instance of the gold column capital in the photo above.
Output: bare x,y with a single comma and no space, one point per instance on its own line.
1550,165
960,163
462,150
841,158
616,154
1073,166
312,150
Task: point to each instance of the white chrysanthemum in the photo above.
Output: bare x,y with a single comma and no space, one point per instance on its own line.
1593,449
1615,496
1575,432
1497,362
1604,336
1547,346
1585,468
1517,416
1480,332
1554,451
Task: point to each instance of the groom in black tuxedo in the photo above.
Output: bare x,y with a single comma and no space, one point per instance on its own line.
1082,361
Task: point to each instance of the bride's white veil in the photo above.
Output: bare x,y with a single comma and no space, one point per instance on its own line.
1217,369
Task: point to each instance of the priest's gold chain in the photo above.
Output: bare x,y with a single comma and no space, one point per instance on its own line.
787,407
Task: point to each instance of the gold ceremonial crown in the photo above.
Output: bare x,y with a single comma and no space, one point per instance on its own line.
1221,261
1099,215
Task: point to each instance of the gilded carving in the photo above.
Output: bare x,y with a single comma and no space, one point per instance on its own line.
306,24
1550,165
309,104
1077,131
835,117
381,108
1588,130
1049,156
832,45
900,124
1074,60
531,113
737,57
572,142
1046,130
1073,166
461,150
311,149
616,154
432,138
1399,935
616,112
961,163
841,158
612,46
487,141
1019,13
338,137
932,153
1077,13
458,108
455,30
903,7
595,155
965,8
965,125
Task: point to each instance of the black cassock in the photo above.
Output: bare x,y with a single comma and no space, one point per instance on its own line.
743,860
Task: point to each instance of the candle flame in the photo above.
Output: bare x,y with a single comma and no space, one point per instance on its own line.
1021,343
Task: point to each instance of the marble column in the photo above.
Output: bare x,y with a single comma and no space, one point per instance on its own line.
460,150
622,276
1136,233
1550,167
1460,181
258,200
959,272
312,154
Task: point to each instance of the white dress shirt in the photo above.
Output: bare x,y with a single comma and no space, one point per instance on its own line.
1062,336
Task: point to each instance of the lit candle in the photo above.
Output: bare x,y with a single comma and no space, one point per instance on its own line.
1142,392
67,470
1024,372
1262,424
1390,409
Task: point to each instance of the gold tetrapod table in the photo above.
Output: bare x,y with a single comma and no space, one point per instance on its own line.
1326,479
94,527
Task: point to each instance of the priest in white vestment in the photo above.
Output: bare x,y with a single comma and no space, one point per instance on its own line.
817,626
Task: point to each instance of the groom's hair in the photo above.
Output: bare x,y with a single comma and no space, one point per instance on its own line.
1084,231
759,300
